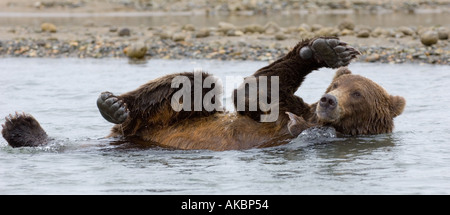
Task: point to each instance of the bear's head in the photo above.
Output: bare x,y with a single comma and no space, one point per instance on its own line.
355,105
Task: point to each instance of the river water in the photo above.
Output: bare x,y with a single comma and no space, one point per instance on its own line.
61,94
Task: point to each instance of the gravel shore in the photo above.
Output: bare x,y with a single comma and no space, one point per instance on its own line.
224,41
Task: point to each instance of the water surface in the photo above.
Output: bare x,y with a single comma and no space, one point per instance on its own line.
61,94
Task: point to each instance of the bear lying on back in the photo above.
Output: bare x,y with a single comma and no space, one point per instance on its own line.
352,104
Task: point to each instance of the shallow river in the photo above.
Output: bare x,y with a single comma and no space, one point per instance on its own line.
61,94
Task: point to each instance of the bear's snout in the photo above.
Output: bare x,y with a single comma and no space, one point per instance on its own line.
328,102
327,109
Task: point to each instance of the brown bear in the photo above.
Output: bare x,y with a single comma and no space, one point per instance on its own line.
352,104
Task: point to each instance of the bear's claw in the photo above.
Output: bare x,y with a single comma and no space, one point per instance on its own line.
112,109
333,52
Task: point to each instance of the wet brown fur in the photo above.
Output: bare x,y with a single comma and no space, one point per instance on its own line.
153,120
23,129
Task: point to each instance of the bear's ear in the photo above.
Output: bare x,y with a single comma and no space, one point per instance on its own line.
341,71
397,105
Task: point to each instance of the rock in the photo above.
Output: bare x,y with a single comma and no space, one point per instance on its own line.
373,57
364,33
234,33
40,43
429,38
347,32
316,27
442,33
346,24
406,30
422,30
124,32
179,36
136,51
254,28
113,29
271,28
235,6
280,36
188,27
305,27
48,27
202,33
225,27
377,32
165,35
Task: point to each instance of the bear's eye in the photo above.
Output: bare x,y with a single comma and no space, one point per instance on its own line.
335,85
356,94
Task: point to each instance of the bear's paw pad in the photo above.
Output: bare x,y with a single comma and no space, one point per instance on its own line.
333,52
114,110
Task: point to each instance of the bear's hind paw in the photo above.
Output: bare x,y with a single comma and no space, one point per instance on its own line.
114,110
23,130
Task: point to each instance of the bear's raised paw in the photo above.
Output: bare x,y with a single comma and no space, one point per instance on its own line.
113,109
331,51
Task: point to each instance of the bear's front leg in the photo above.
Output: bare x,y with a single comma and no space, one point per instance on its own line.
112,108
330,51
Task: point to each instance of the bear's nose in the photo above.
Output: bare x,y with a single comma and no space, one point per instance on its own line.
328,101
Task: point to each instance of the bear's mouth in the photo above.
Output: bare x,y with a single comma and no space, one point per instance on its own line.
325,115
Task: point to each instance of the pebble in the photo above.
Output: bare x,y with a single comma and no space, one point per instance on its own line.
189,27
254,28
443,33
346,24
429,38
136,50
378,32
178,42
364,33
271,28
202,33
179,36
113,29
280,36
406,30
225,27
48,27
124,32
165,35
234,33
347,32
372,58
305,27
316,27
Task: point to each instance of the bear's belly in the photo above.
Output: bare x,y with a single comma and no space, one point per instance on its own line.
219,132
